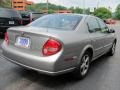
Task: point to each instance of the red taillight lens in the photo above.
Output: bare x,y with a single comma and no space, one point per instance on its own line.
30,20
51,47
21,21
6,38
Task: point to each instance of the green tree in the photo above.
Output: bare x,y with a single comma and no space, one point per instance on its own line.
87,11
78,10
72,9
51,11
5,3
117,12
43,6
103,13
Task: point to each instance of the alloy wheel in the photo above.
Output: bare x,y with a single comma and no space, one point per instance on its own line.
84,65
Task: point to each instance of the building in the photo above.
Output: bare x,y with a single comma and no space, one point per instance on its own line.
21,5
63,11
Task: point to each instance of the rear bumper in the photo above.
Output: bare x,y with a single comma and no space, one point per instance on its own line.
40,64
41,71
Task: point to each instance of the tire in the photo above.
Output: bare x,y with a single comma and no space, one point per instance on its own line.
112,49
83,68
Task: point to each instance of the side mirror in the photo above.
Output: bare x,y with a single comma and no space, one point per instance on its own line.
111,31
104,21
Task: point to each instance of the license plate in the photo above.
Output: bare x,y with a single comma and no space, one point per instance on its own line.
11,22
23,42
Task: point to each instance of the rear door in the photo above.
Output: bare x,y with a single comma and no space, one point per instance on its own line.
95,35
109,37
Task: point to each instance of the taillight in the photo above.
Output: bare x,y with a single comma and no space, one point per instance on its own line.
31,19
21,21
6,38
51,47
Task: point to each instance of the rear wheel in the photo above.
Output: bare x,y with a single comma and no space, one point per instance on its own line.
112,50
83,68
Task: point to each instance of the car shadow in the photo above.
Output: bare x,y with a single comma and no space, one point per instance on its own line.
61,80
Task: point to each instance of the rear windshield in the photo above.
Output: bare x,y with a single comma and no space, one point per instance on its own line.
58,21
8,13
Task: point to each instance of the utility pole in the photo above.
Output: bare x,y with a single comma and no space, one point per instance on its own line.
98,4
11,3
84,5
47,6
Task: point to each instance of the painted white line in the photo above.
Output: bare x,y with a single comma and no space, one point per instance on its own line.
1,57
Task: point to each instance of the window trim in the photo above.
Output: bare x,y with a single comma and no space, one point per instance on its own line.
72,29
89,26
100,20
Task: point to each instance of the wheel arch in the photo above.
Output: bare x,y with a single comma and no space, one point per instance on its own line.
115,40
88,48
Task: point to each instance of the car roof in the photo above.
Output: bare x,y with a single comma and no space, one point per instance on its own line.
83,15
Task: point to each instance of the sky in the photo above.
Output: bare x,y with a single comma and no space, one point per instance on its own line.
84,3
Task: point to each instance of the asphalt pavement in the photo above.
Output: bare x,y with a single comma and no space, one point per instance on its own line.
104,75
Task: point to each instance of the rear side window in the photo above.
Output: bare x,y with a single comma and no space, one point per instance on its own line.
8,13
58,21
103,26
93,24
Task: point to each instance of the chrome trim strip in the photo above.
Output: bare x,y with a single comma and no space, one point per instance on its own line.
94,58
103,47
107,45
98,48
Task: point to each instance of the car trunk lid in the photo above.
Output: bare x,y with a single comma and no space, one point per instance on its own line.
37,38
